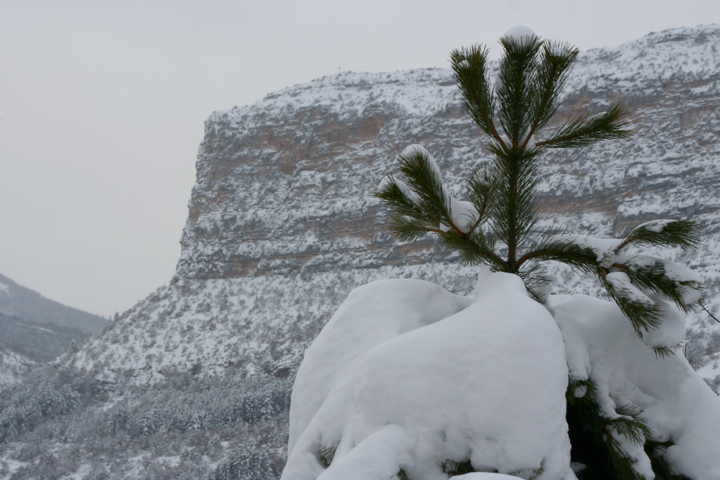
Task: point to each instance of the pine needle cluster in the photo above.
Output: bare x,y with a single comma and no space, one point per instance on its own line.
498,223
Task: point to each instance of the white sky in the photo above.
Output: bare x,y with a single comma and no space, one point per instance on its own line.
102,105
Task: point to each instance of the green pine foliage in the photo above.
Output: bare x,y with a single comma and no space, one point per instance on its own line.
498,226
326,455
452,468
595,437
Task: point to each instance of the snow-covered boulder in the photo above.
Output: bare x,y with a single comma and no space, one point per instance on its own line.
408,376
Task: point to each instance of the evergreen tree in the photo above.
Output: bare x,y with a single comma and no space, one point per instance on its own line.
498,225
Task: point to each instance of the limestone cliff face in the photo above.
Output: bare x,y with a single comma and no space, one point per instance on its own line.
282,223
285,185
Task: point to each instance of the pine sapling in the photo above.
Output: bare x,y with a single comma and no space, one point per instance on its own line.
498,226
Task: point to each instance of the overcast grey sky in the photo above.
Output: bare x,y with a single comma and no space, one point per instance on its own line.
102,105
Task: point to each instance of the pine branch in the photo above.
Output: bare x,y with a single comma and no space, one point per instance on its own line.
513,89
577,256
423,180
643,313
469,67
589,129
581,392
397,198
480,195
629,425
550,79
475,249
666,233
536,282
594,436
652,275
408,221
702,305
408,229
664,350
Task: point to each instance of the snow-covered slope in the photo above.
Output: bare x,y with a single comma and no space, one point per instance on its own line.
13,366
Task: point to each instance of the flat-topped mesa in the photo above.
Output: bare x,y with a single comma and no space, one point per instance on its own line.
284,185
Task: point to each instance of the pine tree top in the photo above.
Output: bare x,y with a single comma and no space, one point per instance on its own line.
498,223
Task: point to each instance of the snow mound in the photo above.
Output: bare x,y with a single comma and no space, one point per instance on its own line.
675,402
371,315
408,376
521,34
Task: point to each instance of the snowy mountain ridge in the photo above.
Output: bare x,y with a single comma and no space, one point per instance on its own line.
661,56
33,307
669,54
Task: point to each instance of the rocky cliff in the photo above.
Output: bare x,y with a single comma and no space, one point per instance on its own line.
282,224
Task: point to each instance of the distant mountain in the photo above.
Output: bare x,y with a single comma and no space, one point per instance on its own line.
34,308
282,225
34,330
